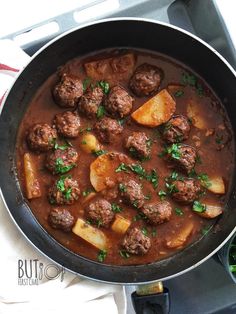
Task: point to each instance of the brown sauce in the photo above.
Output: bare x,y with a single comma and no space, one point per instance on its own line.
216,155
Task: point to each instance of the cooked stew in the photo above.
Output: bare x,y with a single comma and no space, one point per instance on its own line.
125,156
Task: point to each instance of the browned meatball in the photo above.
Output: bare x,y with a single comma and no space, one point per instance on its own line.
67,124
185,190
184,156
41,137
107,130
135,242
64,191
132,194
146,80
68,91
157,212
100,212
176,129
139,145
61,160
60,218
118,103
90,101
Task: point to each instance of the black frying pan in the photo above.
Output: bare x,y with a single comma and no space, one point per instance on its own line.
122,32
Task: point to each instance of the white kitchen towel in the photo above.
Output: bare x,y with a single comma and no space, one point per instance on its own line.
29,281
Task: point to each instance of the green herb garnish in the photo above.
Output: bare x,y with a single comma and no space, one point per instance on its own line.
122,187
99,152
60,167
179,93
204,179
101,112
86,83
171,188
153,178
147,197
144,231
87,192
154,233
102,255
191,80
88,129
116,208
124,254
122,167
162,195
104,86
179,211
199,207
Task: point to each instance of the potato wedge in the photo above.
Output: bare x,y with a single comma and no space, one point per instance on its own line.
180,238
156,110
120,224
194,113
90,234
216,185
31,181
102,170
89,143
212,211
111,69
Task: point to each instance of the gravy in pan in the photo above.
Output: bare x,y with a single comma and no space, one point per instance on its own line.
117,185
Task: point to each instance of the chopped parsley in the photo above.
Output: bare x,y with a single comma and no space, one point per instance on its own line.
101,112
116,208
232,257
199,207
179,93
171,188
153,178
102,254
86,83
204,179
174,175
140,216
88,129
99,152
147,197
104,86
61,187
122,187
139,170
174,151
122,121
179,211
61,168
191,80
122,167
87,192
144,231
124,254
162,195
154,233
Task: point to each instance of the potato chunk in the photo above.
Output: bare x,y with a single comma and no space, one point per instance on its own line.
90,234
212,211
216,185
31,181
89,143
111,69
120,224
103,170
195,114
156,110
180,238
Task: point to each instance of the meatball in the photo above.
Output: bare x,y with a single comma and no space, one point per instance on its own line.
119,103
90,101
64,191
176,129
135,242
41,137
184,156
67,124
139,145
100,212
157,212
146,80
107,130
185,190
60,218
68,91
61,160
132,194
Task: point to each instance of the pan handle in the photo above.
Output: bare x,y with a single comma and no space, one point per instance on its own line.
158,303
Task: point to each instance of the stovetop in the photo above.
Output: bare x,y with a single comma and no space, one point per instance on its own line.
208,288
